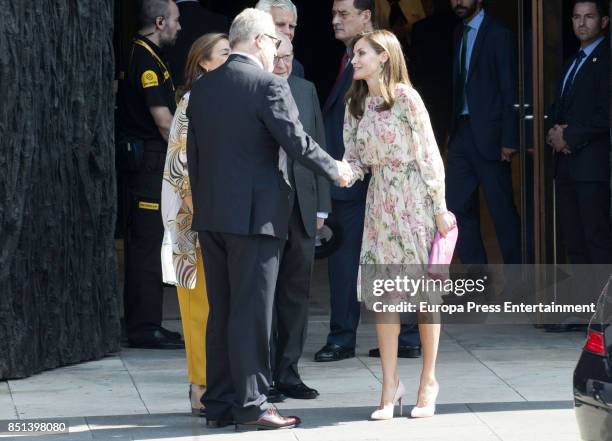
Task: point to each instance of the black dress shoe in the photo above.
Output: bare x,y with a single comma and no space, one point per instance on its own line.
275,396
154,340
298,391
212,423
332,352
402,352
270,420
171,335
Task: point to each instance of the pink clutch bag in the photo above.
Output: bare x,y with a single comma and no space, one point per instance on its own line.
442,251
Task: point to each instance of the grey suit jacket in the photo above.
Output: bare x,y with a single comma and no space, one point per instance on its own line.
312,192
238,116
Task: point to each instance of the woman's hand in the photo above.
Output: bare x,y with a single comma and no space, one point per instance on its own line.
445,222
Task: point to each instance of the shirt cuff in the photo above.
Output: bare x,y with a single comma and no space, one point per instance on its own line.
322,215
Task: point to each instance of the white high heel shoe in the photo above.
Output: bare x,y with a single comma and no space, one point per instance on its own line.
386,412
429,410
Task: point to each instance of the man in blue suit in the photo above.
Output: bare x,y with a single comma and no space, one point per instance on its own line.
350,18
484,133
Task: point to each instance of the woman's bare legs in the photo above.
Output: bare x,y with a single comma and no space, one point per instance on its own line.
387,331
430,338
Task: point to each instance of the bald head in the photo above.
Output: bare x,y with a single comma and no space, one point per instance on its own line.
283,62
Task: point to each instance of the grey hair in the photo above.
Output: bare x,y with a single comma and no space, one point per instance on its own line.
267,5
151,9
249,24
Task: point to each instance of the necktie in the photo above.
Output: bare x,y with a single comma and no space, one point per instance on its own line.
572,75
343,66
462,71
569,82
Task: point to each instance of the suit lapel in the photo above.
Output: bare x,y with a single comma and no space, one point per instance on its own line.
482,32
456,55
589,64
335,94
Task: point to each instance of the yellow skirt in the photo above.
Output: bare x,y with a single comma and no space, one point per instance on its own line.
194,316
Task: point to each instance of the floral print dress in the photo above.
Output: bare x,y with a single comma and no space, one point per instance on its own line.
406,189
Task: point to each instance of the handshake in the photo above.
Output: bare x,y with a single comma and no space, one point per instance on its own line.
346,174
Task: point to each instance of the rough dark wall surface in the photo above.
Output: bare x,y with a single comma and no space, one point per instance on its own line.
58,280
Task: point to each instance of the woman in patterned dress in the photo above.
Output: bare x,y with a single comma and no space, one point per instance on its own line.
181,255
387,133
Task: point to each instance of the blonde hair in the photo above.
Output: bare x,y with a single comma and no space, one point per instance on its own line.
201,50
393,72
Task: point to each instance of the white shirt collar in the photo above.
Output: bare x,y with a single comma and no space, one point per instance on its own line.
252,57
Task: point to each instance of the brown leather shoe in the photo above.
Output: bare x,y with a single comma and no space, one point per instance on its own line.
270,420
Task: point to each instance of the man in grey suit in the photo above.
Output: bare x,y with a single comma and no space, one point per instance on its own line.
238,116
311,204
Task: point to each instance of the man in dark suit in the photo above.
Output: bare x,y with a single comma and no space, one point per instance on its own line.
238,116
311,204
350,17
195,22
285,16
430,65
483,133
580,138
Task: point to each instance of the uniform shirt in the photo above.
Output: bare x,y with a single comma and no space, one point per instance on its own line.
147,84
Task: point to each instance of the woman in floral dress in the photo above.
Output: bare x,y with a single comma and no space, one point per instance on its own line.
387,133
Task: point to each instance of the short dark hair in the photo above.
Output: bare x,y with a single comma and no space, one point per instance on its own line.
602,6
365,5
151,9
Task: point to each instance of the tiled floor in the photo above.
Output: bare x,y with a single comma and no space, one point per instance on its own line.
497,383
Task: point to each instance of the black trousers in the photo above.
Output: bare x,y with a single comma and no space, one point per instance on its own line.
583,210
291,301
241,274
467,171
143,289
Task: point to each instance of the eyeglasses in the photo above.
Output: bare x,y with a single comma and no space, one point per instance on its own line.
286,59
277,42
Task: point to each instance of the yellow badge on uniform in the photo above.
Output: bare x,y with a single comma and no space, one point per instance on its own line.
149,79
148,206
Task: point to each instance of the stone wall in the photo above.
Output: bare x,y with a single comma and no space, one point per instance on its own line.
58,277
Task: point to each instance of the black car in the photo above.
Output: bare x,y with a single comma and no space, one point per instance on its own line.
593,375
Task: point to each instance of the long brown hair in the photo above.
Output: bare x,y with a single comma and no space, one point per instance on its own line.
201,50
393,72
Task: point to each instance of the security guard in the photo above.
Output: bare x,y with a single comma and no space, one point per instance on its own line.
146,105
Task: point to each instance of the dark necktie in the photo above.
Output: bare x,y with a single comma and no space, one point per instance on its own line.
462,71
343,65
572,75
569,82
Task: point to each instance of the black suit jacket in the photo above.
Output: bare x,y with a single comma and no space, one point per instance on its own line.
195,21
587,115
238,116
312,191
491,87
431,69
333,118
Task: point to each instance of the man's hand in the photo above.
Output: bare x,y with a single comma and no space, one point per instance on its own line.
506,154
320,223
344,169
556,139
